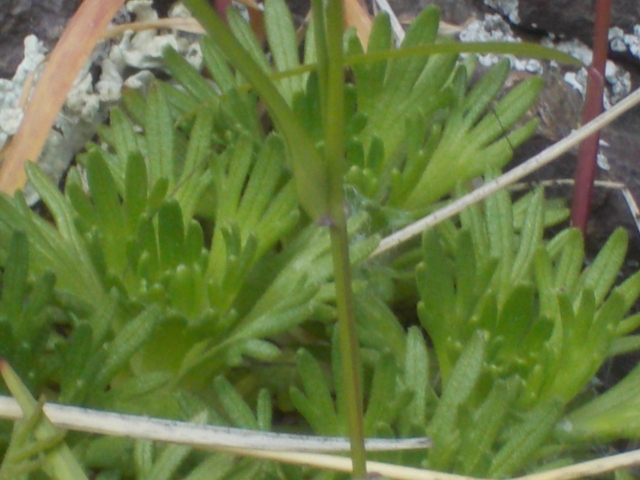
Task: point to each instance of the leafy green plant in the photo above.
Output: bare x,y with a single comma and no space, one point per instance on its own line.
139,232
519,329
423,132
200,257
58,462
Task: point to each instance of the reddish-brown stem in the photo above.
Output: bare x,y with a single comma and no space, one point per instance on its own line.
221,7
588,152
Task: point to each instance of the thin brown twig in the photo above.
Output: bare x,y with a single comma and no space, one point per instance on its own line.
588,152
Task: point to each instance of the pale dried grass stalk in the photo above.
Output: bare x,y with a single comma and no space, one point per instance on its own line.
194,435
270,446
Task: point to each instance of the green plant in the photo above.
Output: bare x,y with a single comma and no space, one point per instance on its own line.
530,326
194,249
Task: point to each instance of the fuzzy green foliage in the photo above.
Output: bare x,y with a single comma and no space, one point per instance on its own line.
415,127
531,326
29,310
419,129
183,274
197,215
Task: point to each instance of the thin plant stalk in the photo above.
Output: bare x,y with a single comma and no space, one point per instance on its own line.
197,436
323,200
333,123
588,152
221,7
306,162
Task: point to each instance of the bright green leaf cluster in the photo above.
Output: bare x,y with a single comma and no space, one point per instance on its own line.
180,276
518,325
420,129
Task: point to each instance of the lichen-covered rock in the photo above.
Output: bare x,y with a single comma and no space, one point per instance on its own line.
574,19
128,61
19,18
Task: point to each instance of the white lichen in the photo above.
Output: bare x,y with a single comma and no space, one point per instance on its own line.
142,9
575,48
82,103
619,81
493,28
616,40
10,118
509,8
193,55
576,80
603,162
10,90
633,42
34,55
109,87
625,42
139,80
178,10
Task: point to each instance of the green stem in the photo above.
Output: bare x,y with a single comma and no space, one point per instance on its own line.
319,184
334,126
308,169
348,341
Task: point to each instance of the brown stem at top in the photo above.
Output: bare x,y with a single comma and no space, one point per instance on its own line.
221,7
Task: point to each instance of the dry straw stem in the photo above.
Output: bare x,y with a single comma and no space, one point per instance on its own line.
198,436
398,472
530,166
396,26
356,15
70,54
261,444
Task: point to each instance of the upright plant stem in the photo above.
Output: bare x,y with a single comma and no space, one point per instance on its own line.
221,7
348,339
309,173
334,125
588,152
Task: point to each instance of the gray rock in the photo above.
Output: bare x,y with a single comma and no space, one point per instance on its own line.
19,18
456,12
574,19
